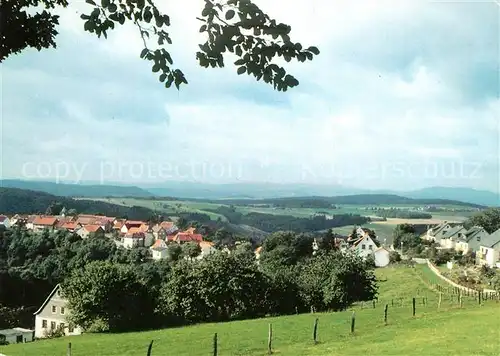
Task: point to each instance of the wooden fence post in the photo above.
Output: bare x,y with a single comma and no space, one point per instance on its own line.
315,331
413,302
479,297
270,340
150,347
214,345
353,321
373,301
68,353
439,301
385,313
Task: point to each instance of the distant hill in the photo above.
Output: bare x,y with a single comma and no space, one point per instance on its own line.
191,190
468,195
77,190
21,201
358,199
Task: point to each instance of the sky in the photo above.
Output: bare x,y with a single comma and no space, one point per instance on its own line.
404,95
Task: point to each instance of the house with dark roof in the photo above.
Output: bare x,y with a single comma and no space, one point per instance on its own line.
449,237
53,314
489,250
472,240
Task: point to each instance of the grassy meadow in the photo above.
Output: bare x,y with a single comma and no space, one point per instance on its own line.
383,228
449,330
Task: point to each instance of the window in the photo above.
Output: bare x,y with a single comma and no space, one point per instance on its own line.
363,247
44,324
62,310
19,338
370,247
54,309
53,325
479,238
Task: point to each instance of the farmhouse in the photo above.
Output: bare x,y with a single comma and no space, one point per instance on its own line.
44,222
159,250
52,315
16,335
489,250
472,239
87,230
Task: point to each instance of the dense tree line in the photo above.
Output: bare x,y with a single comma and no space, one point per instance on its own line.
113,289
272,223
402,214
488,220
355,199
20,201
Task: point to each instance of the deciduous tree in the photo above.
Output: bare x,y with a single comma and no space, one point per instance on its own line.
238,27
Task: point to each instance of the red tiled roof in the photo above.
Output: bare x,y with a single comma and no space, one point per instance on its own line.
171,237
134,230
45,221
185,237
134,222
135,235
70,225
92,228
158,243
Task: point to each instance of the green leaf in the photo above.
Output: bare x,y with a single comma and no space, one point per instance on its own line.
241,70
88,26
147,15
203,28
112,8
239,62
105,3
230,14
156,68
163,76
144,52
314,50
91,2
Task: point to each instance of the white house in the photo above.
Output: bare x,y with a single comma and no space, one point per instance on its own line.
134,239
5,221
130,226
450,237
159,250
472,240
52,315
381,255
364,246
489,251
16,335
206,249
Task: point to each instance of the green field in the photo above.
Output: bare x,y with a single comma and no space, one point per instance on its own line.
472,330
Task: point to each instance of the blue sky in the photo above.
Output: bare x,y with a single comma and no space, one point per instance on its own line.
403,95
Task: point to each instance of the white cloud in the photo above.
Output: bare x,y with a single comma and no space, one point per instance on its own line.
386,89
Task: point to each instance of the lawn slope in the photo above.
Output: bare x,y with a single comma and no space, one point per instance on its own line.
472,330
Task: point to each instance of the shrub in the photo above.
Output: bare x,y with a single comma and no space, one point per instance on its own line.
394,257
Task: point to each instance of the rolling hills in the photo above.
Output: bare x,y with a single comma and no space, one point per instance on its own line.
21,201
76,190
